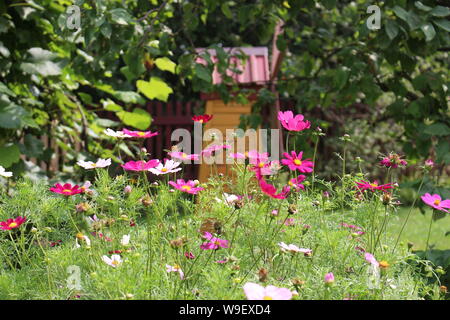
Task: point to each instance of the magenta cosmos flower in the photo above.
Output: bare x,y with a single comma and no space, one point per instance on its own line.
270,190
291,123
393,161
254,291
435,201
140,165
296,183
204,118
294,162
12,223
371,259
208,151
372,186
67,189
214,243
140,134
186,186
329,278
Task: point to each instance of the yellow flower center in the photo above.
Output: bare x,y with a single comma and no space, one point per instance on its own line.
298,162
267,298
290,183
115,262
261,164
374,184
67,191
201,121
13,224
246,154
383,264
437,202
164,170
140,133
187,188
93,165
80,236
184,155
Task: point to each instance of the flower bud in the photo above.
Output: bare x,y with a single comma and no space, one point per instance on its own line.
127,190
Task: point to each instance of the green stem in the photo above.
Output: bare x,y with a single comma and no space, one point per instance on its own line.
427,249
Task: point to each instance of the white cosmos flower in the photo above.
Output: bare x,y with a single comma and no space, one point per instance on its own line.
115,134
175,268
5,173
169,166
85,239
125,240
292,248
101,163
114,261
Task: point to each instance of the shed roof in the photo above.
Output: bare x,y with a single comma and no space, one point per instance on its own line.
255,70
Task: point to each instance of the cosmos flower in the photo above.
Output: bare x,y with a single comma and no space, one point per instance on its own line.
12,223
169,166
202,118
296,183
116,134
140,165
208,151
393,160
371,259
189,255
4,173
140,134
114,261
294,162
435,201
214,243
292,248
183,156
186,186
101,163
329,278
125,240
175,268
372,186
254,291
270,190
429,163
66,189
84,239
291,123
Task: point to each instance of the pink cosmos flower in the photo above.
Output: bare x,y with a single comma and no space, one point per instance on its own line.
66,189
372,186
169,166
350,226
183,156
294,162
296,183
254,291
186,186
435,201
175,268
291,123
140,165
101,163
329,278
140,134
115,134
393,160
429,163
208,152
189,255
214,243
12,223
237,155
371,259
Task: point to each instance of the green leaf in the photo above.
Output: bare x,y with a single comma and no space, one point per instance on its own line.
422,7
44,68
391,29
154,89
443,151
429,31
121,16
226,10
9,154
166,64
203,73
443,24
440,11
129,97
4,89
437,129
11,116
111,106
401,13
139,118
32,147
